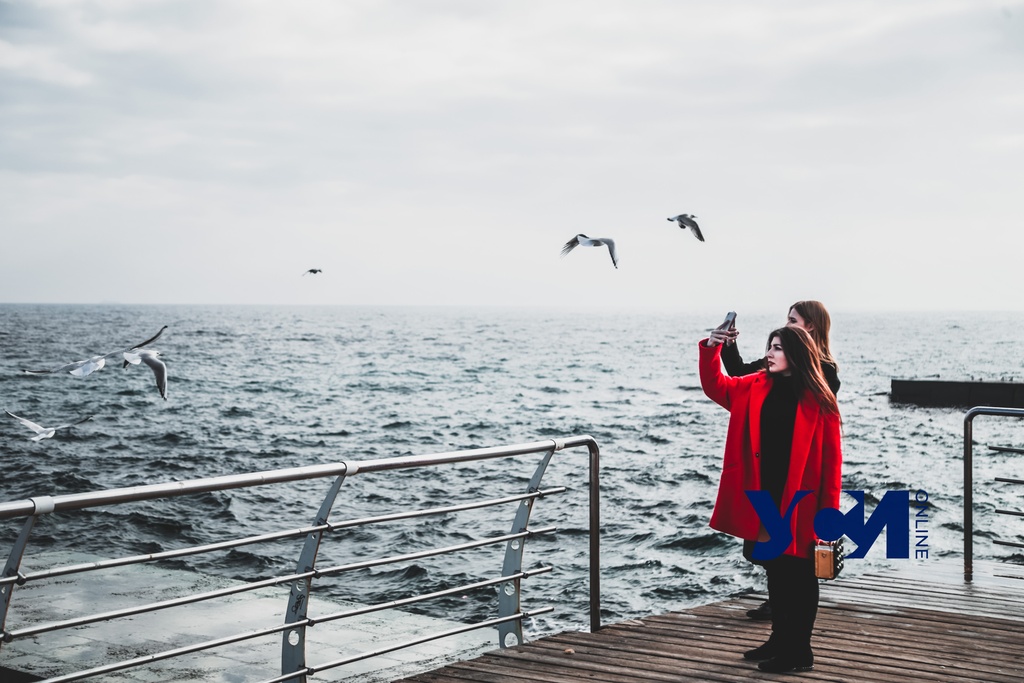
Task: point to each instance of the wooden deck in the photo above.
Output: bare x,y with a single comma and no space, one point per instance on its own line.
915,623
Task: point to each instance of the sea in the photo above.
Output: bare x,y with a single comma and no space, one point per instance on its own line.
254,388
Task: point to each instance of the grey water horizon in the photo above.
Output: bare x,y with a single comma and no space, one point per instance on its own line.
255,388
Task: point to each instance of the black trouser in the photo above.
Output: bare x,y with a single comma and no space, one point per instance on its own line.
793,596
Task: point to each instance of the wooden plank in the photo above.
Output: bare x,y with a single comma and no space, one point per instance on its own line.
885,628
825,649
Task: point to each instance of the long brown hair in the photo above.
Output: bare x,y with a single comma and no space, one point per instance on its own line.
804,360
816,315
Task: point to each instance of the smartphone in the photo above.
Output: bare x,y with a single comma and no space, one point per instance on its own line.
729,322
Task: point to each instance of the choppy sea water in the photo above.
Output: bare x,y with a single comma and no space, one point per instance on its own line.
261,388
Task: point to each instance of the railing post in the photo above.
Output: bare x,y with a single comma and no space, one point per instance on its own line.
595,536
510,633
969,494
11,569
969,477
293,644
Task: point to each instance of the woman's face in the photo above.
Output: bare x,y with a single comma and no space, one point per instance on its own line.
776,358
794,319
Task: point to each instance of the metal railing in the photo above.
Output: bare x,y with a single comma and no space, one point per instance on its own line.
969,482
292,629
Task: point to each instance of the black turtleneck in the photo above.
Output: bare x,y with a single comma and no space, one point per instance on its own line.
778,415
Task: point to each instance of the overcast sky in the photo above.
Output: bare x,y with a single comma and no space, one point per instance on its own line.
868,154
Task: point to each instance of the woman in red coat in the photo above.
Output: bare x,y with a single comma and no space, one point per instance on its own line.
783,439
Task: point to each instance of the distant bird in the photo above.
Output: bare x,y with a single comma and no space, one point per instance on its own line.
685,221
314,271
584,241
149,357
44,432
81,368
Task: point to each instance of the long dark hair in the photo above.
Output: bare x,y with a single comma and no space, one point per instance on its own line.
804,361
816,315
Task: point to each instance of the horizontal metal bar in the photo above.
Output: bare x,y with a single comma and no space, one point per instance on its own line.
1009,543
168,654
228,640
76,501
152,557
368,609
266,583
473,454
1010,481
1006,449
311,670
330,571
294,533
332,526
152,607
993,410
1018,513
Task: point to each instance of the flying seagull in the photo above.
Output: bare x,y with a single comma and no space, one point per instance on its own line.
44,432
149,357
685,221
81,368
583,240
313,270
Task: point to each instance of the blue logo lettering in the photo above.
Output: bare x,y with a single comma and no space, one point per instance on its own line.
777,527
891,513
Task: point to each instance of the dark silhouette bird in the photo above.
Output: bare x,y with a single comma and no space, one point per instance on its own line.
685,221
44,432
314,271
583,240
81,368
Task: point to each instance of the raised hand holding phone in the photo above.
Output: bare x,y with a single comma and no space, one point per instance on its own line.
725,332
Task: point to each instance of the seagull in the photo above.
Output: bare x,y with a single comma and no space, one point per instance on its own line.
685,221
314,271
583,240
81,368
44,432
149,357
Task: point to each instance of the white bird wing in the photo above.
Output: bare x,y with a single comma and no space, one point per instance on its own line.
28,423
148,341
87,367
694,228
611,250
81,368
159,371
72,424
137,346
685,220
571,244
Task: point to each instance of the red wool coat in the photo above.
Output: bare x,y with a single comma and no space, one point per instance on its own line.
815,460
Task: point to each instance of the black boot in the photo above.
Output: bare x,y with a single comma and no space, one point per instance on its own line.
762,612
762,652
787,662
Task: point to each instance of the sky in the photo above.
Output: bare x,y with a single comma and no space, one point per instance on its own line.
868,154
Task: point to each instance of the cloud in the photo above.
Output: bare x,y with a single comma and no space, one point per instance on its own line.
443,152
35,64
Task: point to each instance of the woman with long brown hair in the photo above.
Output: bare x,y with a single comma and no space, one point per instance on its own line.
783,439
809,315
